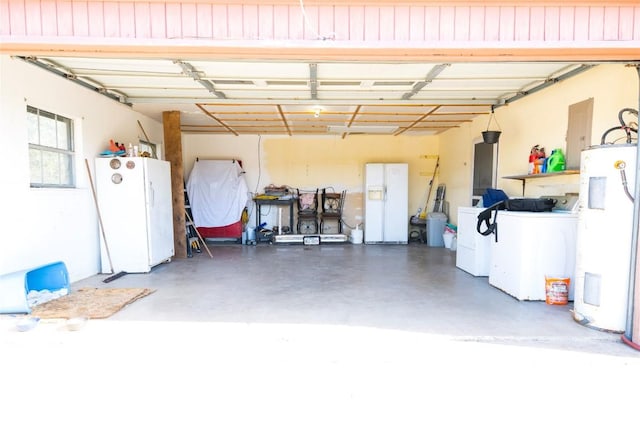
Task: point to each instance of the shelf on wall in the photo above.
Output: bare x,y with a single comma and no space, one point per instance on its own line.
526,177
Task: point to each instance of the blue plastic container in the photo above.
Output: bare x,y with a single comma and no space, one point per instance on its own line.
14,287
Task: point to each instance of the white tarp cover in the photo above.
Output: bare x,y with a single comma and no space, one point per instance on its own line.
217,192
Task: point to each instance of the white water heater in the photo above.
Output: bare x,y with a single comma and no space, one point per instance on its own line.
605,223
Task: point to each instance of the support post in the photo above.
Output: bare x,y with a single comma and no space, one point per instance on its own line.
173,154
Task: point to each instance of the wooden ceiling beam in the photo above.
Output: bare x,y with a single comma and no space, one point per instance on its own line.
416,122
284,119
204,110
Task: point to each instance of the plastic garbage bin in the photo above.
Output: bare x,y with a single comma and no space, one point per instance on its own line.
435,228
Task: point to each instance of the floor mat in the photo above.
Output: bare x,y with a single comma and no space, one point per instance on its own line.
92,303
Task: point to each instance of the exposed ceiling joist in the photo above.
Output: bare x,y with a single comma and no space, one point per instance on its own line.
353,117
421,118
217,120
284,120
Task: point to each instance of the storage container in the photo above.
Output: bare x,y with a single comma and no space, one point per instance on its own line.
436,222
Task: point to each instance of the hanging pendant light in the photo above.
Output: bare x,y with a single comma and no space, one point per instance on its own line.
491,136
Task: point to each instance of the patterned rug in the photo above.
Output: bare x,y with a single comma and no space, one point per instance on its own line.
91,303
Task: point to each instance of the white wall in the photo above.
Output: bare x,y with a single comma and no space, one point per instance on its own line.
38,226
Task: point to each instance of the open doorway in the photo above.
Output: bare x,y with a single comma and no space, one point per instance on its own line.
484,169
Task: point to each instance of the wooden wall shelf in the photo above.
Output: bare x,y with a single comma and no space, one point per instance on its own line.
526,177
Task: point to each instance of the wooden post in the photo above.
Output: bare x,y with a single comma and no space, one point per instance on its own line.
173,154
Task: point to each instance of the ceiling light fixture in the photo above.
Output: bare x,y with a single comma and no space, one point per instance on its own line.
316,112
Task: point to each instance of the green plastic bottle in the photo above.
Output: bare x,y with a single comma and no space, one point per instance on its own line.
556,161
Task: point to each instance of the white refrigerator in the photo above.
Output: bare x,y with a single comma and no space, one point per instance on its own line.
386,203
135,204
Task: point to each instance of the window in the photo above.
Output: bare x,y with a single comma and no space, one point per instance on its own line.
51,155
148,147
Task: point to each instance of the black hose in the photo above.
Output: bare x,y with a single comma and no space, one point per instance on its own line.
621,114
627,130
626,127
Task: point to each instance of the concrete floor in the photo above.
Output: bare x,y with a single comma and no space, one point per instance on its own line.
320,336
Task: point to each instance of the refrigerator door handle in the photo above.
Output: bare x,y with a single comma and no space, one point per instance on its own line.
151,194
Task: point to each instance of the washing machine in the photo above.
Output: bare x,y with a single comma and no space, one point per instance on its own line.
528,247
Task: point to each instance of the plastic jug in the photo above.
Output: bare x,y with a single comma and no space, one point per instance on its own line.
556,161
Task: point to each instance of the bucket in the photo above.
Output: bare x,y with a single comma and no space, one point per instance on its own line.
448,240
491,136
557,290
357,236
251,234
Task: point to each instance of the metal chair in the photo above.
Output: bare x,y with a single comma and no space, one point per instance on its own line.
332,204
307,203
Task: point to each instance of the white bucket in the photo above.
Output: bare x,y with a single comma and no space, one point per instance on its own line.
357,236
251,234
448,239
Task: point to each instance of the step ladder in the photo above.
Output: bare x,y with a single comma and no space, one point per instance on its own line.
193,241
438,203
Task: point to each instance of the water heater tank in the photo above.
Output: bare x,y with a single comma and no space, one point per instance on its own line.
605,222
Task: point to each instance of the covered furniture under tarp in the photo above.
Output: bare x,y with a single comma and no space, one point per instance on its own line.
218,194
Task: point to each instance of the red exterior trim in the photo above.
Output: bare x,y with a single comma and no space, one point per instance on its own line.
401,27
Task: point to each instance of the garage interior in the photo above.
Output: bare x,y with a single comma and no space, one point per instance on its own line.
297,334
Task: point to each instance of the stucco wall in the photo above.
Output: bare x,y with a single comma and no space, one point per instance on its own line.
540,118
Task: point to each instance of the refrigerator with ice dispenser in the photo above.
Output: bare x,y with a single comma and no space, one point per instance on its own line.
386,203
135,204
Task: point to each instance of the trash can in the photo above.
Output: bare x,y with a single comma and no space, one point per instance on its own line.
435,228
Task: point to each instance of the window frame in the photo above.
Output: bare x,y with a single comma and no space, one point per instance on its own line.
42,147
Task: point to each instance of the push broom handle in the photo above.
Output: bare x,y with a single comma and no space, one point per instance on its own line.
95,201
